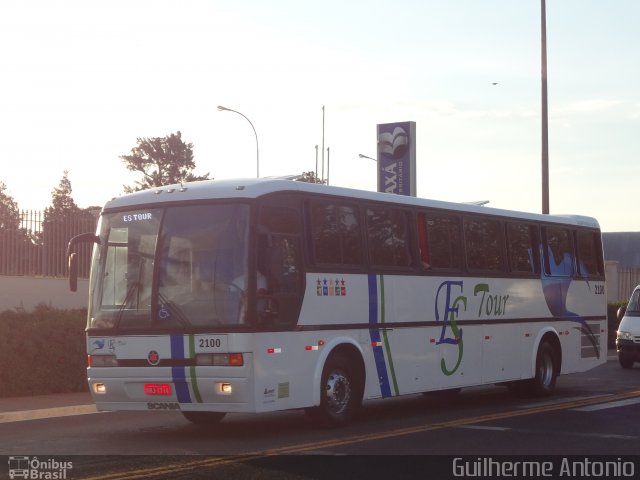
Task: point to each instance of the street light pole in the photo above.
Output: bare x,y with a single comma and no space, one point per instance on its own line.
221,108
360,155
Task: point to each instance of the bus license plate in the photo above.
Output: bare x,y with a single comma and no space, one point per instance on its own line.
162,389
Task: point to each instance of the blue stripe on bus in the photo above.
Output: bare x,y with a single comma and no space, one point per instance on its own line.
378,352
178,373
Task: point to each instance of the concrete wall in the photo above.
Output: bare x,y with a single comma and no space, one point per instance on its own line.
28,292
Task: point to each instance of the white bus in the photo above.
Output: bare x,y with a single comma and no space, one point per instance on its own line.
259,295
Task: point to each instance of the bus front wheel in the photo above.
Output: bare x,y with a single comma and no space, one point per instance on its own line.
340,393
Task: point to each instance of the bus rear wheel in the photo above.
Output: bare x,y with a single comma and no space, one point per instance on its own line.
544,382
204,418
340,393
546,373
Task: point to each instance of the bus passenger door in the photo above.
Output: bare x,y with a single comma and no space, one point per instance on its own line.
280,295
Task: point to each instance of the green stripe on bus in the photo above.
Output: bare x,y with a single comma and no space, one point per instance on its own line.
384,335
192,369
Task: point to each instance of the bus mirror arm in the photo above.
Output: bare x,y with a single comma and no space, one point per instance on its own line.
73,256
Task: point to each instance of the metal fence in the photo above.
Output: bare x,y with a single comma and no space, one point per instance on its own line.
37,245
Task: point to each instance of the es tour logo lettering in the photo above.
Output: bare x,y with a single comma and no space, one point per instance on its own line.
137,217
449,302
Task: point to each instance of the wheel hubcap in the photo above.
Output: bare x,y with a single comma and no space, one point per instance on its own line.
338,392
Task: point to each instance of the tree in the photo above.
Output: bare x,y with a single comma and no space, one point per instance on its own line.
62,221
9,213
309,177
61,200
15,241
162,161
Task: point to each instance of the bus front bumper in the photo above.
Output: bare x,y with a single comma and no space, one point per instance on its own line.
166,389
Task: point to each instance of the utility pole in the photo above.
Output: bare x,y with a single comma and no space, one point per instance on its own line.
328,165
323,143
545,119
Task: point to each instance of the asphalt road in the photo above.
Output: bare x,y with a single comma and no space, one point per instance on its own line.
592,414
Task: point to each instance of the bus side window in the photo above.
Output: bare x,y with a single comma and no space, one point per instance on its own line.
484,242
422,241
388,237
558,252
444,241
589,263
522,248
336,235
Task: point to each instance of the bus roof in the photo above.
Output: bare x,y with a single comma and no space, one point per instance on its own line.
255,188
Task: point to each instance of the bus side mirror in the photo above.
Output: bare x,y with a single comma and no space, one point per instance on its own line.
73,272
621,311
73,256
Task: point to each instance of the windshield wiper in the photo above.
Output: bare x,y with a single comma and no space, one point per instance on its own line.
132,288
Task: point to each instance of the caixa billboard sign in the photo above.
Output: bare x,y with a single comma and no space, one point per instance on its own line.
397,158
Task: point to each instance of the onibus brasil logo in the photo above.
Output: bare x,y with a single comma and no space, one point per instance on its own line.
34,468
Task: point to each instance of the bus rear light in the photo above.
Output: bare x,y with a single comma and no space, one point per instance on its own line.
99,388
102,361
219,359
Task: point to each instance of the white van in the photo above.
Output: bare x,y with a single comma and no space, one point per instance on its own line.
628,337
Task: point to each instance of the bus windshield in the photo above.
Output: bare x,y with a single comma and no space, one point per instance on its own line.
183,266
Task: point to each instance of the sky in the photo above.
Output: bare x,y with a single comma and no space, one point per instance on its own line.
82,81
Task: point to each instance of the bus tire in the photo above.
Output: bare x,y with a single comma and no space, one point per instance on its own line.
547,368
340,393
625,361
204,418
